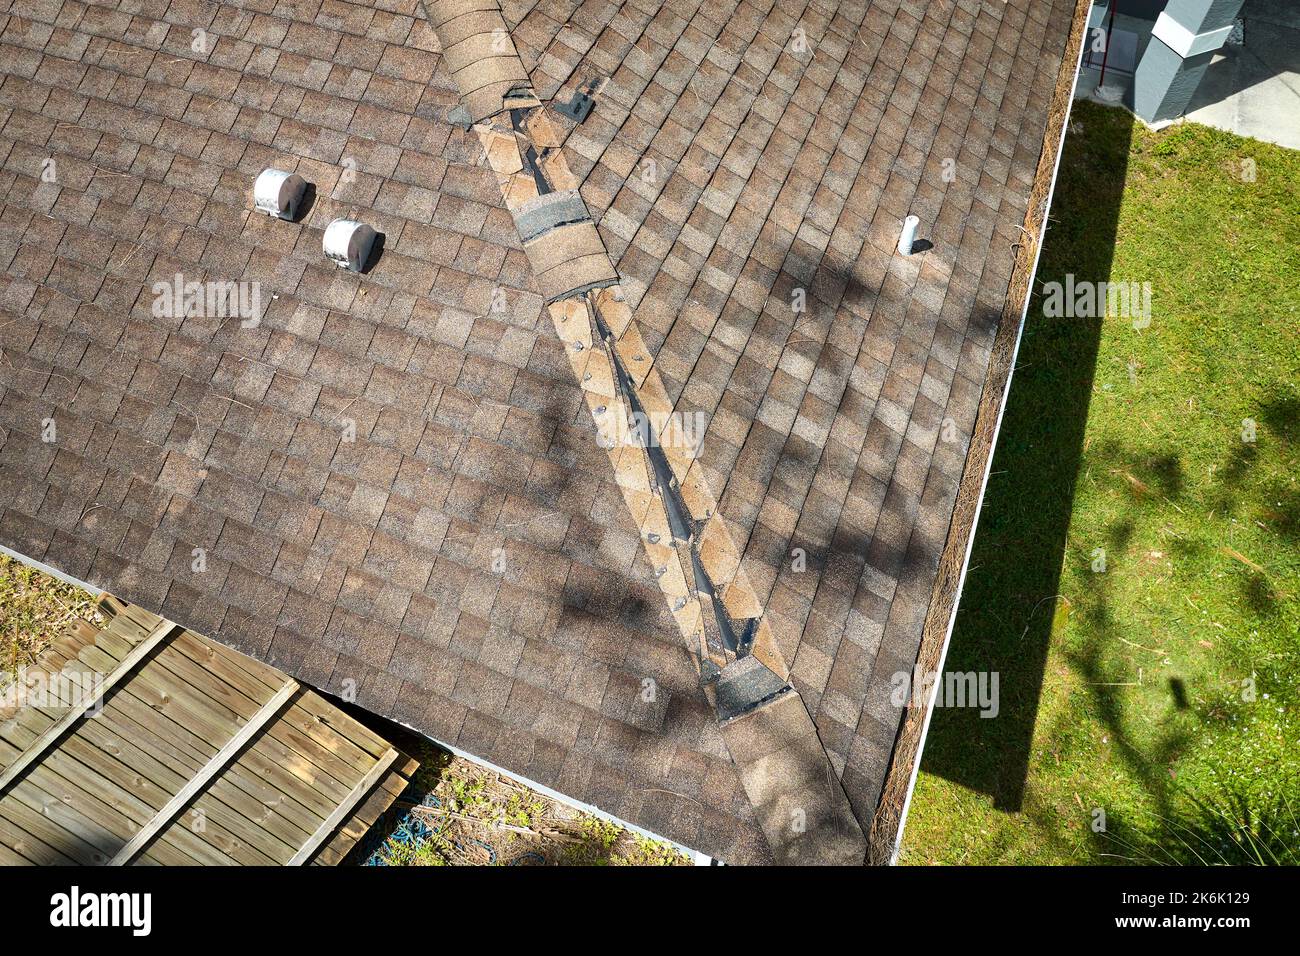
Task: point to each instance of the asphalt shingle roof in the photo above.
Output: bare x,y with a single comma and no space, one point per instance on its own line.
391,481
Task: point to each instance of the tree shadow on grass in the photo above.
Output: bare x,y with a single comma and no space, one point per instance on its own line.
1004,622
1011,600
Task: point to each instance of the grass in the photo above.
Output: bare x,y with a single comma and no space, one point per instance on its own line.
34,609
1148,711
478,817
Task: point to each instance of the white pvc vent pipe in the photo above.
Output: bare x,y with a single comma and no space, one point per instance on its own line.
908,239
347,243
278,193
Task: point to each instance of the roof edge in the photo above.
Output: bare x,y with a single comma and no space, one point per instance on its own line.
886,834
52,571
797,797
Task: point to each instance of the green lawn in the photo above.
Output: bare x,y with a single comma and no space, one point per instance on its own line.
1122,690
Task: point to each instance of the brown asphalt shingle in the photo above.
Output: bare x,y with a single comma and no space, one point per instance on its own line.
786,172
392,482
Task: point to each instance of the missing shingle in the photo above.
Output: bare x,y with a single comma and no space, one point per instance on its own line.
529,154
578,108
538,216
583,101
744,686
722,639
521,98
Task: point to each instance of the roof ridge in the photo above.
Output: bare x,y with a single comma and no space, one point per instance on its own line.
785,770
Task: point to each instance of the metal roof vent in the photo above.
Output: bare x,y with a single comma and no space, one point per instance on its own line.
278,193
348,243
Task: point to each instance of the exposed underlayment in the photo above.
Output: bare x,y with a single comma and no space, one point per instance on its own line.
469,483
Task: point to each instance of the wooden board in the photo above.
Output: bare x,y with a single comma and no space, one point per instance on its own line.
198,756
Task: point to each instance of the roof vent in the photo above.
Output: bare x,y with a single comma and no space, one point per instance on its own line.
907,240
347,243
278,193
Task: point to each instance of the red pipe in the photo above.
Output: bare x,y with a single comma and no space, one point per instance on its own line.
1106,52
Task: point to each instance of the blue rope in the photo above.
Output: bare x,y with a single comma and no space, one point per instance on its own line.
410,830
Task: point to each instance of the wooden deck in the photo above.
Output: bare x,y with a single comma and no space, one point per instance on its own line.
154,745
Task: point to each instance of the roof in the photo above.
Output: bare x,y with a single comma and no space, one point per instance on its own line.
393,478
145,743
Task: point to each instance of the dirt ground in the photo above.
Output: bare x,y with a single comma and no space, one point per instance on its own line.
462,814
